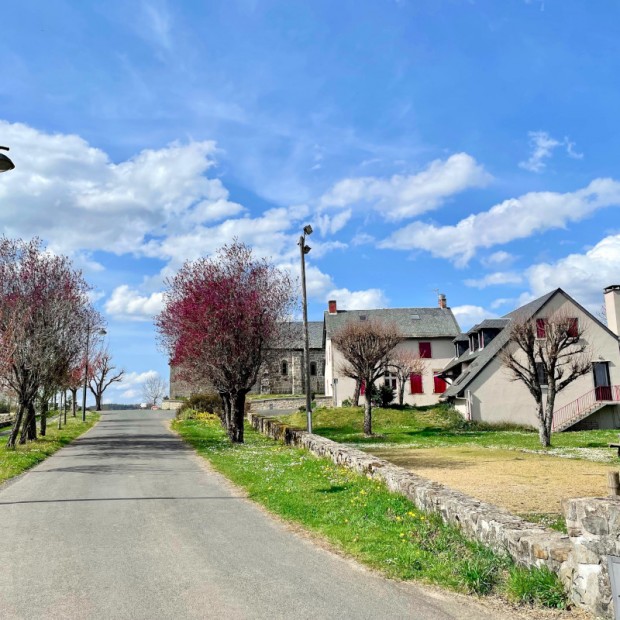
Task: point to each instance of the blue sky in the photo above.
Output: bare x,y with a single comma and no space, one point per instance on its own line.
463,146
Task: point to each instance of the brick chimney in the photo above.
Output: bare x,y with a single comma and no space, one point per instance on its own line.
332,307
612,307
443,304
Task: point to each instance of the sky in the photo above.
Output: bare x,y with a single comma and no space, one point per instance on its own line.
467,147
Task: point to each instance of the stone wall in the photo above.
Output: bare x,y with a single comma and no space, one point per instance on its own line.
288,403
579,558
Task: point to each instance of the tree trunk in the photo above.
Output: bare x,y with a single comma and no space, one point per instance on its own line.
356,394
16,425
235,428
29,426
544,433
401,393
64,405
226,410
43,417
98,398
74,402
368,411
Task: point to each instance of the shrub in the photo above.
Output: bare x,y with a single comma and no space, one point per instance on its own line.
210,402
4,407
382,396
347,402
536,586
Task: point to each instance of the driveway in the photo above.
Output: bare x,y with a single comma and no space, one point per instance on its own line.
128,523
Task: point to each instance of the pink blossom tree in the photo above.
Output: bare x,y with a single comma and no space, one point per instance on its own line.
43,312
221,315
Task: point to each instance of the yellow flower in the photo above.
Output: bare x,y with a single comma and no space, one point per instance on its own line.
402,534
399,518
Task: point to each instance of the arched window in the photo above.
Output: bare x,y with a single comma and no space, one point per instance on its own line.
284,368
313,369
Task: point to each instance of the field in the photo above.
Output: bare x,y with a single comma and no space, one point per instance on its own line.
502,465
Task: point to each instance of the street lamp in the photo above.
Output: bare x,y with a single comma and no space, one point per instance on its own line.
5,163
304,249
101,332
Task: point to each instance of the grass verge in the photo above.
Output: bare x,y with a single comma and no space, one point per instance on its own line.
357,515
23,457
439,426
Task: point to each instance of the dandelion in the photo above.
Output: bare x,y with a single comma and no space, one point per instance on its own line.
402,534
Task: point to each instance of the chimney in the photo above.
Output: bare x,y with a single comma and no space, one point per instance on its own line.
612,307
443,304
332,307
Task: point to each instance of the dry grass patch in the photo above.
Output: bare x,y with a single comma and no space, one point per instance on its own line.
521,482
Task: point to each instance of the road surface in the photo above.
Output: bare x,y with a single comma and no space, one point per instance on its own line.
128,523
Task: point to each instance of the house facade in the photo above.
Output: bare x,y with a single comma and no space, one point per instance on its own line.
482,389
283,371
429,333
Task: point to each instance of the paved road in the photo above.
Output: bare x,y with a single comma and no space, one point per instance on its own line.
128,523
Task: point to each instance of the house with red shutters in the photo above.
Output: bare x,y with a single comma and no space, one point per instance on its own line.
482,389
429,333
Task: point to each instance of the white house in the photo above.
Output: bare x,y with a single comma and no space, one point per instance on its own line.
428,332
481,388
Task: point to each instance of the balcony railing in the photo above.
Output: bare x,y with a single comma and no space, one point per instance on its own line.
582,405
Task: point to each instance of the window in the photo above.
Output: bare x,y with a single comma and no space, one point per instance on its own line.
439,385
542,375
416,383
390,380
313,369
473,342
480,339
425,349
284,368
541,328
573,328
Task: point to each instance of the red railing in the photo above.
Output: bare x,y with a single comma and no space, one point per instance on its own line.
584,403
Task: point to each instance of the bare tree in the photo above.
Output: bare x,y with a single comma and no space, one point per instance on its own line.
154,389
403,364
366,347
103,375
548,352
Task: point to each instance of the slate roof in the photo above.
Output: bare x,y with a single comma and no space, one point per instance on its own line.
461,338
414,322
493,324
293,335
484,356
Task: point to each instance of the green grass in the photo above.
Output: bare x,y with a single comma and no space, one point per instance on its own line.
357,515
14,462
441,426
538,586
553,521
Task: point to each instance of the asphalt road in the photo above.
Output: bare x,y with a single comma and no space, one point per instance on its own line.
128,523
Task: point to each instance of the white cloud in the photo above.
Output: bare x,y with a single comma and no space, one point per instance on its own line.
333,223
495,279
130,388
581,275
406,196
362,239
358,300
543,146
126,303
499,258
515,218
468,315
502,301
71,194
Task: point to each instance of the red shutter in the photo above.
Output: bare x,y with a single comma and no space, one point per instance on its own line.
541,328
573,328
440,385
363,388
416,383
425,349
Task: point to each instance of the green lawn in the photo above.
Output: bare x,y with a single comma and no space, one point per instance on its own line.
361,517
442,427
14,462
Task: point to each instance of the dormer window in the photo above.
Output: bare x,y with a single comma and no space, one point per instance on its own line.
473,342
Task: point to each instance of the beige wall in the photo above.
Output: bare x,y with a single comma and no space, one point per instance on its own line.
442,351
495,398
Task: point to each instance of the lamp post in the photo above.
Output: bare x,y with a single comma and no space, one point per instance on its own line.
304,249
101,332
5,163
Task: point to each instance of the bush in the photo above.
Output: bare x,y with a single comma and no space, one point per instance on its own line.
347,402
536,586
4,407
382,396
210,402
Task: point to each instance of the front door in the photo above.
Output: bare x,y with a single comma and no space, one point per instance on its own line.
602,384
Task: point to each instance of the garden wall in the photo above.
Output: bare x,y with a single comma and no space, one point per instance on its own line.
578,559
288,403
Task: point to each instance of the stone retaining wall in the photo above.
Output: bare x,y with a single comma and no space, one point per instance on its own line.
578,559
288,403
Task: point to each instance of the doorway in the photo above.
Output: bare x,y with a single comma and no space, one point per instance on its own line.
602,383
